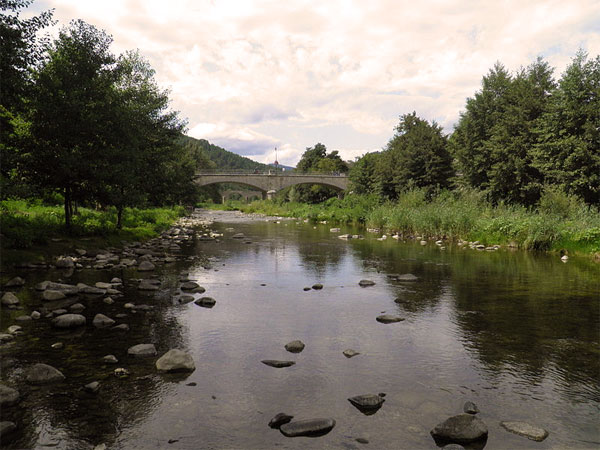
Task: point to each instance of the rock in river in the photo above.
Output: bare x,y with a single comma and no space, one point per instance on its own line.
294,346
142,350
43,374
110,359
367,404
525,429
8,396
9,299
146,266
349,353
51,295
470,408
15,282
461,429
206,302
102,321
308,427
280,419
366,283
389,318
277,363
317,286
175,361
68,321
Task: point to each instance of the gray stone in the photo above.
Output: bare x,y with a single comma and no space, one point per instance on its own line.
389,318
110,359
59,312
43,374
183,299
121,327
121,372
280,419
108,301
175,360
15,282
35,315
317,286
366,283
407,277
23,318
470,408
9,299
277,363
92,387
368,404
90,290
67,289
76,307
309,427
146,266
116,281
102,285
349,353
102,321
294,346
189,286
14,329
6,337
6,428
525,429
206,302
8,396
142,350
57,345
65,263
68,321
147,285
461,429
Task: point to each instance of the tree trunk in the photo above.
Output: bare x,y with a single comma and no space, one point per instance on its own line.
68,208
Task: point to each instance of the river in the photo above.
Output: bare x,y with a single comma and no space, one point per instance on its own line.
516,333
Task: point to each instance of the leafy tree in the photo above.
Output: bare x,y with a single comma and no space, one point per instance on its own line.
316,159
20,50
363,174
417,156
73,113
568,149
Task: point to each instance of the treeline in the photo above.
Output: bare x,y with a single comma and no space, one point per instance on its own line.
85,124
221,158
519,135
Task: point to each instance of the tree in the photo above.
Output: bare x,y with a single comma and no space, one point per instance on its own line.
568,148
73,113
363,174
20,50
417,156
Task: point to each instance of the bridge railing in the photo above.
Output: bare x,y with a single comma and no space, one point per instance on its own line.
272,172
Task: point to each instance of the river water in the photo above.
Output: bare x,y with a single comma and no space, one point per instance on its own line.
516,333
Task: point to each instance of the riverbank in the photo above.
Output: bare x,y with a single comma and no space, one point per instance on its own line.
38,231
558,225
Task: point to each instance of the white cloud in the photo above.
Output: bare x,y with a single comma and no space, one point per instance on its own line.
344,71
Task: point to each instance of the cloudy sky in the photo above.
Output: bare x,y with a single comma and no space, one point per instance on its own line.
254,75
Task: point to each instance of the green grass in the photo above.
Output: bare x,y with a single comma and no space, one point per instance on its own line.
24,224
561,222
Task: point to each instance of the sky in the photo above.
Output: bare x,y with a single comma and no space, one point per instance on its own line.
252,76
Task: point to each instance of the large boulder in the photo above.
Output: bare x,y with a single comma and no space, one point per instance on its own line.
175,361
43,374
142,350
460,429
68,321
308,427
8,396
9,299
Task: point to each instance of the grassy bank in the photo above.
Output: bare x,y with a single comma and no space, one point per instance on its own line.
558,223
24,224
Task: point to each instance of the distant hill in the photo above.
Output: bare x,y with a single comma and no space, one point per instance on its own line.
224,159
281,166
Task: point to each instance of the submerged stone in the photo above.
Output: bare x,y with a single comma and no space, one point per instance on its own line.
525,429
280,419
43,374
367,404
294,346
175,360
349,353
460,429
366,283
68,321
308,427
142,350
389,318
277,363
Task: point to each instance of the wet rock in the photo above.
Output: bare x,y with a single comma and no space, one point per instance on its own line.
6,428
14,329
59,312
67,289
110,359
367,404
366,283
102,321
183,299
142,350
294,346
76,307
308,427
35,315
116,281
460,429
57,345
189,286
362,440
15,282
407,277
43,374
92,387
525,429
90,290
6,337
9,299
306,288
108,300
470,408
349,353
128,306
65,263
120,372
8,396
121,327
146,266
23,318
280,419
206,302
68,321
317,286
345,236
147,285
277,363
175,360
238,236
389,318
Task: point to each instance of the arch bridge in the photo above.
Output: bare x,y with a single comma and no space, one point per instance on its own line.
271,182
